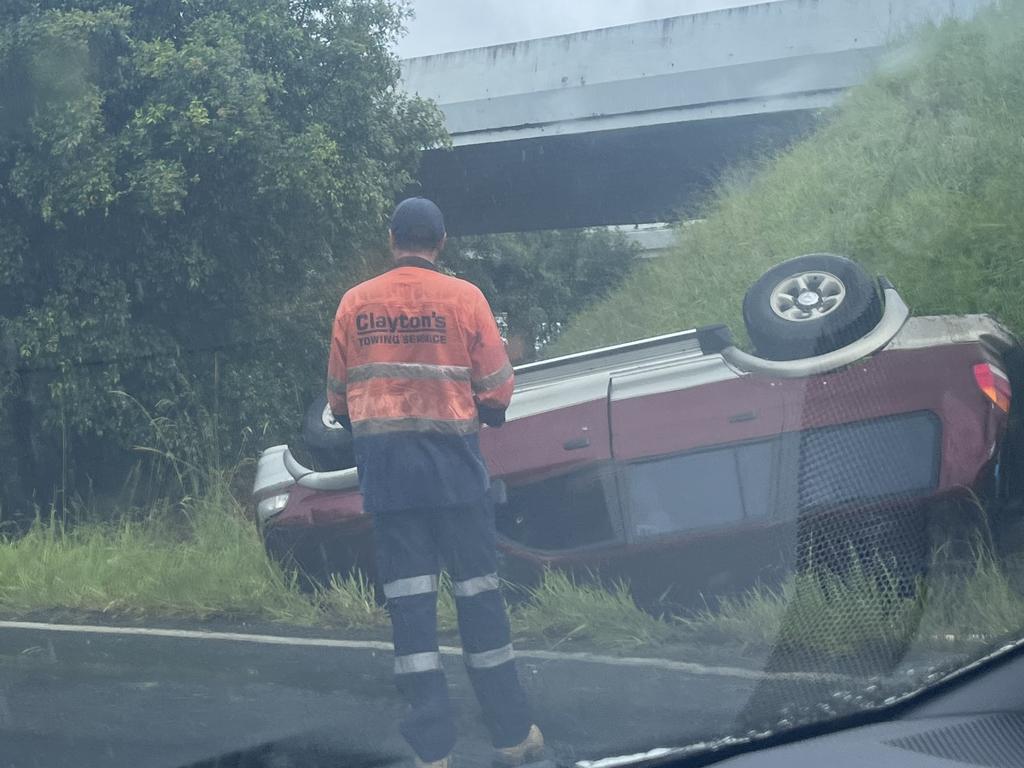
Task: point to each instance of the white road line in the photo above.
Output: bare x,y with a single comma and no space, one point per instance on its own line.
671,665
687,667
194,634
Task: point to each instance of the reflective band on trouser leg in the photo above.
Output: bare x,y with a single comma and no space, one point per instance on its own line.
428,724
476,585
417,662
489,659
414,585
408,564
496,684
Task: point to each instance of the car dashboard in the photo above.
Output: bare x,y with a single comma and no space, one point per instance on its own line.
976,722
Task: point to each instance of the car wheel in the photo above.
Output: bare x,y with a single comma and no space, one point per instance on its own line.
810,305
328,443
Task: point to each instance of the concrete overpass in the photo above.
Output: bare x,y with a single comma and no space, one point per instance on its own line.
635,123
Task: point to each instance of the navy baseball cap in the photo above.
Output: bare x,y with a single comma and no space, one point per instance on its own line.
417,224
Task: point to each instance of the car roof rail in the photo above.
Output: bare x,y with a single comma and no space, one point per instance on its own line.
602,352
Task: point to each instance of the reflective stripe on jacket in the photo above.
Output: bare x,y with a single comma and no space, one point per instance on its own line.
413,352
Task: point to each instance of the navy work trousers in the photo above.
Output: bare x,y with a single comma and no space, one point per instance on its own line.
411,547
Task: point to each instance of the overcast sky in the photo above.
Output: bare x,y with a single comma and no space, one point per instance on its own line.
452,25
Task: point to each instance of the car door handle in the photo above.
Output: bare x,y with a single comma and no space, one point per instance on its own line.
576,443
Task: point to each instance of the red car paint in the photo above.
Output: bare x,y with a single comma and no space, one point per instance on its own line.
615,433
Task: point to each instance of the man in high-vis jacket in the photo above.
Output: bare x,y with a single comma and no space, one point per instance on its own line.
416,364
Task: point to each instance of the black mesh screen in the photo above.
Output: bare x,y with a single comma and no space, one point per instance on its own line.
862,497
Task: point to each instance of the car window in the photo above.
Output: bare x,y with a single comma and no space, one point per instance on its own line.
565,512
863,461
696,491
868,460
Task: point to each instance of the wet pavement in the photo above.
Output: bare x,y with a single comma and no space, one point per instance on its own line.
161,699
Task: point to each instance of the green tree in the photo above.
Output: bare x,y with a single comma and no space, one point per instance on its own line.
186,187
538,280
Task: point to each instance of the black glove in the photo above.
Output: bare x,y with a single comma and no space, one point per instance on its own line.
492,417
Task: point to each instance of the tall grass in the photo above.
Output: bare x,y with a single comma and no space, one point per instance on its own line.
983,606
823,613
560,609
207,560
352,602
447,612
916,175
838,615
200,557
177,544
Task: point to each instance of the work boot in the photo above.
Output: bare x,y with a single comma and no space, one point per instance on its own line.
527,751
444,762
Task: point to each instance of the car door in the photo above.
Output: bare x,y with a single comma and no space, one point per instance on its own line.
554,424
697,445
552,459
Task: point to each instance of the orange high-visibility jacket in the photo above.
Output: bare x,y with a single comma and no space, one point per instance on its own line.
413,353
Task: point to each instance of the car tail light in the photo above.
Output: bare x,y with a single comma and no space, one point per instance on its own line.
995,384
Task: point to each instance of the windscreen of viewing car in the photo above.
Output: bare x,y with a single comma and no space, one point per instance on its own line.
676,406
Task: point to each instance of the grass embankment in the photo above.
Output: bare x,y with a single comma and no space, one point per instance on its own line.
916,175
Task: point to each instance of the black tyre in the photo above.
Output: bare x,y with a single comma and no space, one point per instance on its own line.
810,305
328,443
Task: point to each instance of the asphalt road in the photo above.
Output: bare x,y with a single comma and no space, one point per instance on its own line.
160,698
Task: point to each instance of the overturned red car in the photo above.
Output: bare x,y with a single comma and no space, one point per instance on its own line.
684,465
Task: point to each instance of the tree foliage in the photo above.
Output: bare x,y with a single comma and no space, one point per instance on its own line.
538,280
186,186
